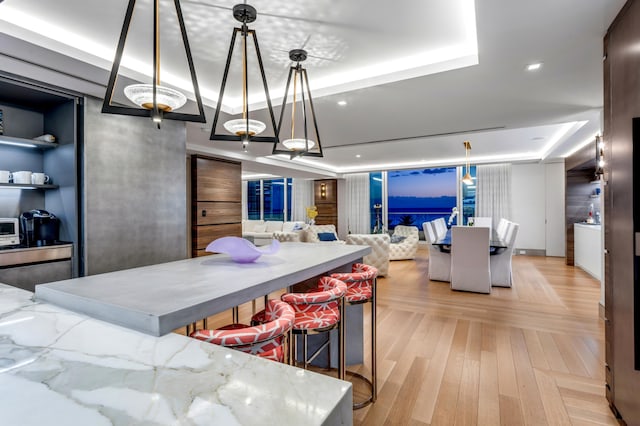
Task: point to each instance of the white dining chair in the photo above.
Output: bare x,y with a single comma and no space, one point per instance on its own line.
439,262
440,227
501,229
501,273
470,268
483,222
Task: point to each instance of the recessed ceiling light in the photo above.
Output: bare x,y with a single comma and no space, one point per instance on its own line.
342,103
534,67
358,155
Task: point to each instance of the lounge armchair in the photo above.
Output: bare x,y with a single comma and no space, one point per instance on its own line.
405,249
379,243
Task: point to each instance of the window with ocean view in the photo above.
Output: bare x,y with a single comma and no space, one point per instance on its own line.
417,196
273,199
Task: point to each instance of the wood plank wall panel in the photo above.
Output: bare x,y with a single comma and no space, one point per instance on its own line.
217,213
216,201
327,203
207,233
577,202
217,180
622,104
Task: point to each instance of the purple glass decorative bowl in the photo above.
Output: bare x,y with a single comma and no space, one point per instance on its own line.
241,250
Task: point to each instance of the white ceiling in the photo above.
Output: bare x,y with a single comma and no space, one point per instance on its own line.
419,77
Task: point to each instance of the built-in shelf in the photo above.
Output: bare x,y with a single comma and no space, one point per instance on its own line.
26,143
27,186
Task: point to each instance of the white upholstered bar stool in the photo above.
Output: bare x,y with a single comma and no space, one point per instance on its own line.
439,261
470,268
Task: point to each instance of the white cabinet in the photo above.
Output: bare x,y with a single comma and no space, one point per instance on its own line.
588,248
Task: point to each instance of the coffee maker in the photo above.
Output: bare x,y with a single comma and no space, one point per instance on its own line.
39,228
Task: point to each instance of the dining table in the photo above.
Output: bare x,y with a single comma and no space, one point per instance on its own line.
496,245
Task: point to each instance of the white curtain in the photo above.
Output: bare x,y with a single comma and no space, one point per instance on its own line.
493,192
358,203
245,207
301,198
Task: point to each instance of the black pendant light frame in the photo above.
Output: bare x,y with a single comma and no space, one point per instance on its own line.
246,14
298,56
107,107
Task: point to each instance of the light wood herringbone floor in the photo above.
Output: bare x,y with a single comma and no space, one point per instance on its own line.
529,355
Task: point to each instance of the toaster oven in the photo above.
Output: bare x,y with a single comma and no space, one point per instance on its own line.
9,232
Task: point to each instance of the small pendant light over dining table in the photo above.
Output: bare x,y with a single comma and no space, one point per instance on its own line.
244,129
303,143
153,100
467,179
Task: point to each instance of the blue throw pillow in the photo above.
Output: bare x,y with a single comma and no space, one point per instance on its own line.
395,239
298,227
327,236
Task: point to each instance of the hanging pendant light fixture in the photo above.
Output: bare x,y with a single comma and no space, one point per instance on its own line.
467,179
153,100
298,145
244,129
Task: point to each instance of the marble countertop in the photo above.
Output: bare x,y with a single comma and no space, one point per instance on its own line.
62,368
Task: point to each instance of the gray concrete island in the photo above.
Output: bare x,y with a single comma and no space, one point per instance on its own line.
158,299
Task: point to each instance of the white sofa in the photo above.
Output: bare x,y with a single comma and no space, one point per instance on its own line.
312,231
261,232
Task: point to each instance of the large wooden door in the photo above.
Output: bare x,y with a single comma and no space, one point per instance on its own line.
216,201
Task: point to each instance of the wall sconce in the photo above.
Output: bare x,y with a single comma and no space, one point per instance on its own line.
323,191
153,100
599,156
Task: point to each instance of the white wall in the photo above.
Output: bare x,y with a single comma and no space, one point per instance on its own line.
554,206
538,206
528,193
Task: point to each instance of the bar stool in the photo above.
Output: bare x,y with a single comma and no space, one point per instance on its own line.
361,288
266,340
318,311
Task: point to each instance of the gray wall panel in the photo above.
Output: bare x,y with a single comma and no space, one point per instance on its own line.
134,183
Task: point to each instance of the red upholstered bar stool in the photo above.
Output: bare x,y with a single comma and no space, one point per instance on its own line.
265,340
318,311
361,288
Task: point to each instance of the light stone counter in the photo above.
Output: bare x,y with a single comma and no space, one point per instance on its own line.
158,299
62,368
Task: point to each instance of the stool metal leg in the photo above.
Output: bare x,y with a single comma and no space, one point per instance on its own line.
341,351
235,314
374,376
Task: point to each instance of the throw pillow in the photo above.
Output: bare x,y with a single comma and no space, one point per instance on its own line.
327,236
395,239
298,227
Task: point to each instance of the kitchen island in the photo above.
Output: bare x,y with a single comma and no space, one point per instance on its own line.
63,368
158,299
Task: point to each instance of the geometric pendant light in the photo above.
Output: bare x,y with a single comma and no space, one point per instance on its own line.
246,128
153,100
298,138
467,179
